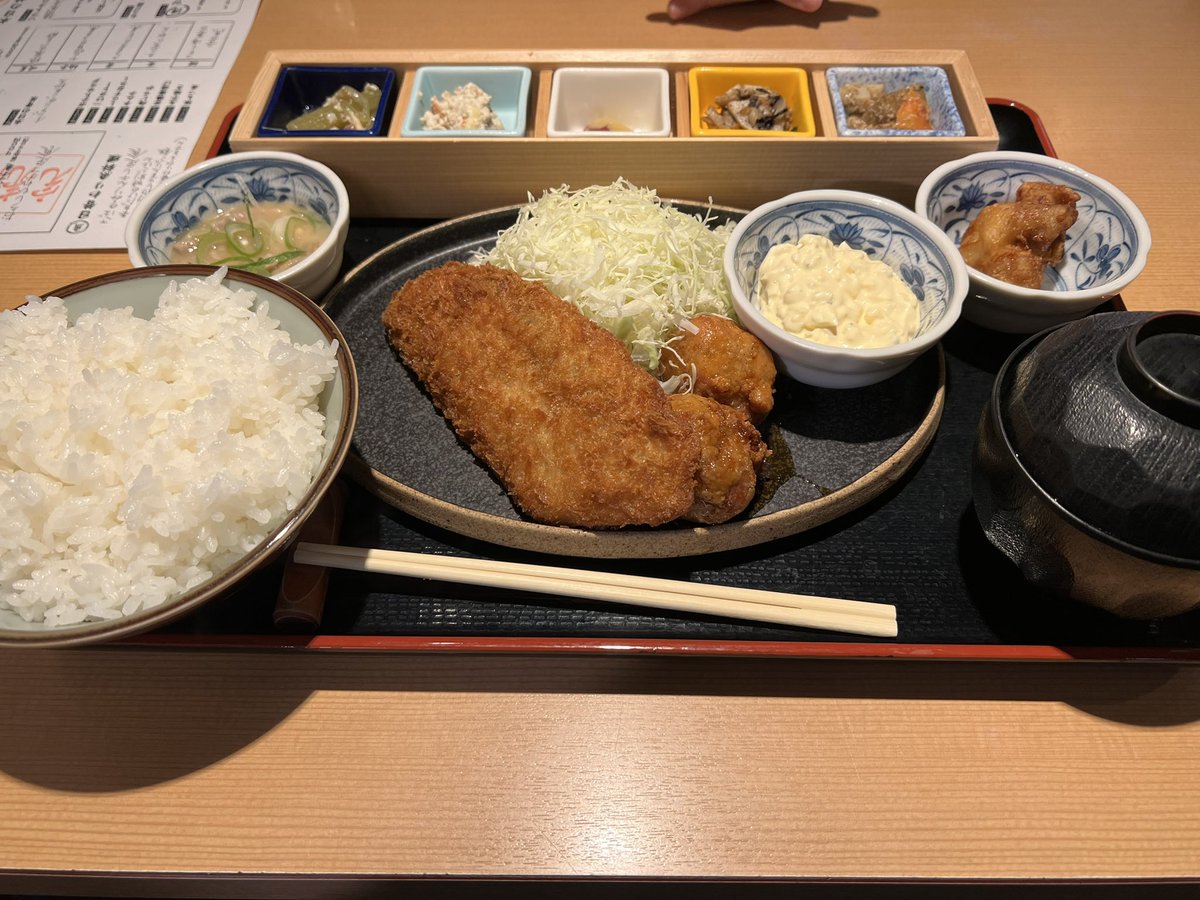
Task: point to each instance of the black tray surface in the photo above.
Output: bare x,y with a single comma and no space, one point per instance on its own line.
918,546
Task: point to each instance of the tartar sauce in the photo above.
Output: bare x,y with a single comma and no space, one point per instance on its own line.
835,295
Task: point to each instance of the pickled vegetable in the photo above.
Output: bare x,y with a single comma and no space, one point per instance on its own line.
344,110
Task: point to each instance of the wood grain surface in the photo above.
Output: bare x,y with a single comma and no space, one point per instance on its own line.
277,762
260,766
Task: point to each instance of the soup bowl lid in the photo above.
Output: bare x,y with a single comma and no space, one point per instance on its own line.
1103,415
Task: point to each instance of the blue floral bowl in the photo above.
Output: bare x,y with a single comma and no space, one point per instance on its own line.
180,202
920,253
943,113
1105,249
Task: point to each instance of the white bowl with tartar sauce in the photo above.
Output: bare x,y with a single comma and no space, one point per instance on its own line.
859,288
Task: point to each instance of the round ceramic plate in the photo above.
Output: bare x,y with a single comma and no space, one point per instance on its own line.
832,450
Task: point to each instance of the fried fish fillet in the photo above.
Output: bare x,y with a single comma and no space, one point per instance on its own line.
577,433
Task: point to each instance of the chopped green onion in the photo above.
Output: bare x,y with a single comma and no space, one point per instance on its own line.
211,249
298,230
266,266
244,238
223,240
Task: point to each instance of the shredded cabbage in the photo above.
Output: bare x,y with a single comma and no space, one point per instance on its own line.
630,261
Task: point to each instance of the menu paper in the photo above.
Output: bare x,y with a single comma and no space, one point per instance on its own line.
101,101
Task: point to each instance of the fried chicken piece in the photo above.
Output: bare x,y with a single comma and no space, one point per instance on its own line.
732,454
1016,241
577,433
727,363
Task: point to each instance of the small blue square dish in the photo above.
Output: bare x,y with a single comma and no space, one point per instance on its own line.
943,112
301,89
444,104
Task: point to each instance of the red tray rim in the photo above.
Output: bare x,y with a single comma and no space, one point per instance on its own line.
539,646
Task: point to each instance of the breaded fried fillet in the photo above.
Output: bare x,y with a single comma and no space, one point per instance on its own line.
577,433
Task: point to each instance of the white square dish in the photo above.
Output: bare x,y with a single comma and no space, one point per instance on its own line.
609,102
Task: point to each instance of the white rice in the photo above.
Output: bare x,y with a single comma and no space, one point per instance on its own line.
139,458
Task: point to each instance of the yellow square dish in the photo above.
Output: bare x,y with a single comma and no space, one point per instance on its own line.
706,83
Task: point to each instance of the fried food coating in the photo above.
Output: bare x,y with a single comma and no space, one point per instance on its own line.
731,456
727,363
1016,241
576,432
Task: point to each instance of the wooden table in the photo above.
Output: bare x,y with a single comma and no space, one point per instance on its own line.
126,771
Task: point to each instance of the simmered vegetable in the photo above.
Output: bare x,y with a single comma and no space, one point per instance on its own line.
870,106
750,107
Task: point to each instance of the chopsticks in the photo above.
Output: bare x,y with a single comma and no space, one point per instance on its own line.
827,613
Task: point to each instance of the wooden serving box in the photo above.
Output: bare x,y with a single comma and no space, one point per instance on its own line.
439,177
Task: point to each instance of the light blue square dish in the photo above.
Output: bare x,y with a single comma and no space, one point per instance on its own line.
943,113
507,85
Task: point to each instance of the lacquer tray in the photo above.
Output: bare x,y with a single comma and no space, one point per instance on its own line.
917,545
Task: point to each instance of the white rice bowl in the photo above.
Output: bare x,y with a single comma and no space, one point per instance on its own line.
140,457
